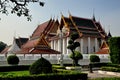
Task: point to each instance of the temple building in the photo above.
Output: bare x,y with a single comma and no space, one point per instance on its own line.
91,34
52,37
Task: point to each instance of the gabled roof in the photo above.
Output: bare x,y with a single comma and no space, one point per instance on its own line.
37,46
84,26
20,41
101,30
42,28
31,43
42,49
104,49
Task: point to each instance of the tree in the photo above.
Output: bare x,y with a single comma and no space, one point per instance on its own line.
2,46
18,7
73,45
114,46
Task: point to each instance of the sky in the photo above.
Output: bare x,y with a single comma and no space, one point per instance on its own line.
107,12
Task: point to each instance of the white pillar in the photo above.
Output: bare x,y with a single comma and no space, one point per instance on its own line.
52,44
59,45
68,51
89,46
64,46
96,45
81,44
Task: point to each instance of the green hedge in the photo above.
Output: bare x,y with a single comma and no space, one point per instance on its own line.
58,67
63,76
113,65
98,64
14,68
112,69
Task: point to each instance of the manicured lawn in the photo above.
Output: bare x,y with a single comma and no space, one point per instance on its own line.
14,73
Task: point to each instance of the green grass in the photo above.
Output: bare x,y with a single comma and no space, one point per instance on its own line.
14,73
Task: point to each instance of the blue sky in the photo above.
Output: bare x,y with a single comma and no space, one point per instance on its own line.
106,11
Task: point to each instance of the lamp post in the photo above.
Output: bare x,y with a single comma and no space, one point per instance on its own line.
61,49
61,34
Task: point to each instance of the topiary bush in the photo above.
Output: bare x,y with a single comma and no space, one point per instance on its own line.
40,66
77,56
94,58
13,60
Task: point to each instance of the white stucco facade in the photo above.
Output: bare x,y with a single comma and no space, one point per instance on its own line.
88,45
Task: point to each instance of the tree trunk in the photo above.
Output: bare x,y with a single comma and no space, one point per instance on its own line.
73,58
76,62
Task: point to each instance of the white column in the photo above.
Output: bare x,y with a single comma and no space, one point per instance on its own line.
64,46
81,44
89,46
96,45
59,45
68,51
52,44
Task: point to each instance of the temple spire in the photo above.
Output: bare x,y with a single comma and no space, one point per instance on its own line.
94,16
109,34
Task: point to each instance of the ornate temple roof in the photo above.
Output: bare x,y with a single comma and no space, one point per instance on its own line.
85,27
37,46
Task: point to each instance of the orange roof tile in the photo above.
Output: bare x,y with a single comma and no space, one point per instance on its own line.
103,51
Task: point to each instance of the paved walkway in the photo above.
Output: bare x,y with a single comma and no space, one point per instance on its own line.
95,74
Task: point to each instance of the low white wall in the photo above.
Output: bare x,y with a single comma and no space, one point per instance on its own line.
56,57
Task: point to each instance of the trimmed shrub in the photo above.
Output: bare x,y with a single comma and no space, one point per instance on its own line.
94,58
112,69
62,76
13,60
41,66
14,68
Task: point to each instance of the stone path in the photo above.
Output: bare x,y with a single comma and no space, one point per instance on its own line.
95,74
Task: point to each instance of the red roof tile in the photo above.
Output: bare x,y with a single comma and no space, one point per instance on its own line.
40,29
30,43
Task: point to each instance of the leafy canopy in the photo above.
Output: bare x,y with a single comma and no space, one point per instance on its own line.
18,7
